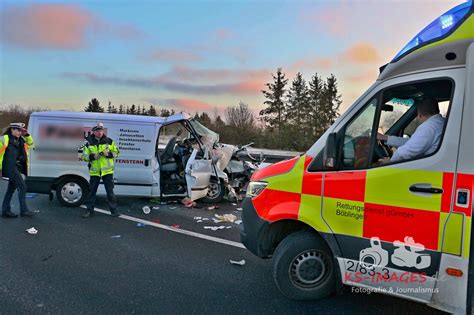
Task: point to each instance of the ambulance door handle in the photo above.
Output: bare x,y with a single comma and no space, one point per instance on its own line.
423,189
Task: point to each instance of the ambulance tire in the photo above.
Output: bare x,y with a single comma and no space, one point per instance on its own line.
303,267
79,189
215,193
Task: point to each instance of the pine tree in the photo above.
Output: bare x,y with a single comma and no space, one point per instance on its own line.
121,110
316,88
274,115
132,110
297,109
94,106
152,111
331,101
109,108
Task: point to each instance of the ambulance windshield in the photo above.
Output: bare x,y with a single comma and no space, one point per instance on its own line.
437,29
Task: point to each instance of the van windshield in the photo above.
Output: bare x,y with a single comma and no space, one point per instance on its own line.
209,136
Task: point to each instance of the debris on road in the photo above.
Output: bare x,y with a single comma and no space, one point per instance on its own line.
140,224
188,203
176,226
240,263
36,211
214,228
156,208
116,236
32,231
197,218
146,210
213,207
198,221
238,222
172,208
225,218
239,209
234,204
228,227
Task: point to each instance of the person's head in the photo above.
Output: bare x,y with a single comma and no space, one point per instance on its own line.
426,108
98,130
15,129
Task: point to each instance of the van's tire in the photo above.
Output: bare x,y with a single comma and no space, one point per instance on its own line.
72,191
215,193
303,267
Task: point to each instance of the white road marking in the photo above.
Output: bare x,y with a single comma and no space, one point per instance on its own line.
176,230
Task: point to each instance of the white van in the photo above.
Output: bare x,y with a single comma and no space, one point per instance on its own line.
156,158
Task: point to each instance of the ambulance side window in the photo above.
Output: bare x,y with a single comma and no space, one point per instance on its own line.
357,138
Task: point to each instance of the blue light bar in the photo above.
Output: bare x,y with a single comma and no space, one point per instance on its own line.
437,29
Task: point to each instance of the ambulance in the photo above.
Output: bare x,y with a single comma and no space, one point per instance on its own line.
159,156
337,216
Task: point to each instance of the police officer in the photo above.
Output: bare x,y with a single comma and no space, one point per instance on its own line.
100,151
14,145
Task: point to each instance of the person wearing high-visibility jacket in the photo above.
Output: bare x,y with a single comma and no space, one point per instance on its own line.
100,152
14,144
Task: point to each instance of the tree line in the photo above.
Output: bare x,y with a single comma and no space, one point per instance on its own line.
294,115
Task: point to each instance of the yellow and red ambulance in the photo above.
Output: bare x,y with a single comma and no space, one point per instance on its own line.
344,213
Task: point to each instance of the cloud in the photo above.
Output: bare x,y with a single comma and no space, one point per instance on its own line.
223,34
56,26
361,53
186,104
191,74
162,82
170,55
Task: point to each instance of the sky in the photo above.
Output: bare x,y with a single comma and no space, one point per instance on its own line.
193,55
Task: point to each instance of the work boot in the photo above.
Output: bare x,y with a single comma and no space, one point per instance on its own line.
88,214
9,214
27,214
115,213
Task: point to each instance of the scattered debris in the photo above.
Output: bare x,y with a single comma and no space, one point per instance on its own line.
156,208
140,224
240,263
228,227
188,203
32,230
155,200
36,211
146,210
234,204
30,196
214,228
199,221
225,218
175,226
239,209
238,222
213,207
205,219
197,218
116,236
172,208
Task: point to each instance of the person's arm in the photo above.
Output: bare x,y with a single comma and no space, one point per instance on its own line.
416,146
113,151
396,142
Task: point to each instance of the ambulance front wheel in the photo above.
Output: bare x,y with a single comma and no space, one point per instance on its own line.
303,267
72,191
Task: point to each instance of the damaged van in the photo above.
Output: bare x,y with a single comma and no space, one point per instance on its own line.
159,156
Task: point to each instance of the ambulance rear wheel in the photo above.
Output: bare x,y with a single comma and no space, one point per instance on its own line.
72,191
303,267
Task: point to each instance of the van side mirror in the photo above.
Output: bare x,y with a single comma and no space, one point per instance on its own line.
330,152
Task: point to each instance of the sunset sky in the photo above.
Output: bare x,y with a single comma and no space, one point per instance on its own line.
195,55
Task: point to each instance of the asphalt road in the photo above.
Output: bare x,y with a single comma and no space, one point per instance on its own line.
107,264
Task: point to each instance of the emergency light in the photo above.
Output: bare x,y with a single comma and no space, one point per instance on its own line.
439,28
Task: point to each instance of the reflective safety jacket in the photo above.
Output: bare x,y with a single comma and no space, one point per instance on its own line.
26,141
106,150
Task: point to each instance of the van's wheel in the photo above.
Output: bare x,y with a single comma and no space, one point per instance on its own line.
215,193
303,267
72,191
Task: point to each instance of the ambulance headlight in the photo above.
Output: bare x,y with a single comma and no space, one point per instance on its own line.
255,188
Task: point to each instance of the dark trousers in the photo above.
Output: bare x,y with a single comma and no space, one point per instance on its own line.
94,182
15,182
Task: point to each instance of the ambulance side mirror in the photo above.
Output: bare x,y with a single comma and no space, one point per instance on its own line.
330,152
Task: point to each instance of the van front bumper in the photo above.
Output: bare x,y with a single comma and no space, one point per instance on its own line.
252,229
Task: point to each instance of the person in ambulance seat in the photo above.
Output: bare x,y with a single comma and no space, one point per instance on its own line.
426,138
100,152
14,145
